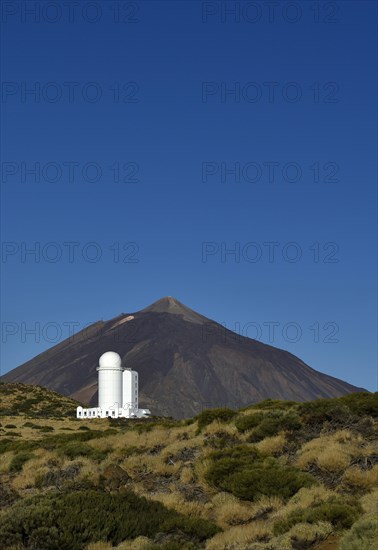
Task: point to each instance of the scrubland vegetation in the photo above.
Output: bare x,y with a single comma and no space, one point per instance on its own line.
274,476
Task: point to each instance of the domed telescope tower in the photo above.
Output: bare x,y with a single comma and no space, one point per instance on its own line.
117,391
110,381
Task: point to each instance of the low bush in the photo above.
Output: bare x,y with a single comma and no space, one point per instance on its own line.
69,521
56,477
52,442
75,449
248,475
19,460
273,423
7,495
275,404
208,416
362,536
268,424
193,527
248,421
221,439
316,413
361,404
306,535
340,514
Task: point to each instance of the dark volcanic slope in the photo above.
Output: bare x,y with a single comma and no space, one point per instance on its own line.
185,362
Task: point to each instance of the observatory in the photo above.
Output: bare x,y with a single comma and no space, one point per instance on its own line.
117,391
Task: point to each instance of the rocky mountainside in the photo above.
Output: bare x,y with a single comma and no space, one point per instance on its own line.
185,361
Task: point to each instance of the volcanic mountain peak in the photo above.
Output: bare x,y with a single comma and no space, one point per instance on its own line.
168,304
186,362
165,304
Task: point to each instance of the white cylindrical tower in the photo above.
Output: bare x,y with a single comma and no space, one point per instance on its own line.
110,381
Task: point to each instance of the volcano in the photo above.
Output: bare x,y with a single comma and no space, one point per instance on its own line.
186,363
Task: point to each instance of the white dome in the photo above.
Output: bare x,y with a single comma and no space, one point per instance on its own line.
110,360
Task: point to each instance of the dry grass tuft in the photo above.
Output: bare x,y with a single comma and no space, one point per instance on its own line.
177,447
360,480
89,470
228,510
305,498
234,513
272,445
177,502
217,426
240,537
369,502
304,534
187,475
311,532
32,469
345,436
333,459
200,469
6,459
142,465
332,453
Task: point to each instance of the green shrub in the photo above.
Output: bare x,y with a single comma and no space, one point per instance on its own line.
248,475
45,429
56,477
362,536
362,403
273,423
267,424
52,442
10,426
7,496
221,439
316,413
19,460
208,416
340,514
55,441
249,421
193,527
71,520
74,449
275,404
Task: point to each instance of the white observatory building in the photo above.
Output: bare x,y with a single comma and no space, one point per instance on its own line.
117,391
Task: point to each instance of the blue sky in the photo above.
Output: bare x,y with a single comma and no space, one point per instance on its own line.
217,152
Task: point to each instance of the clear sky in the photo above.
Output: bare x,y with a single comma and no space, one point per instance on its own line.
223,153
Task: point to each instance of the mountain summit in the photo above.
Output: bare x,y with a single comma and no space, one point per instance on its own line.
185,361
168,304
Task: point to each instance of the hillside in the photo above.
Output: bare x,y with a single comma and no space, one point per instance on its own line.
276,475
185,361
35,401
